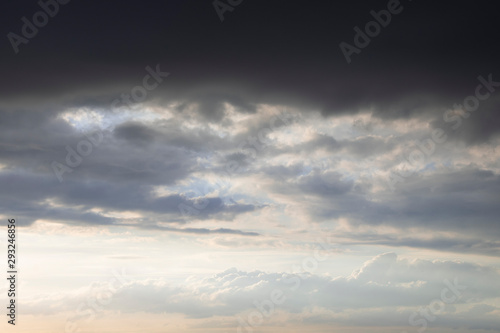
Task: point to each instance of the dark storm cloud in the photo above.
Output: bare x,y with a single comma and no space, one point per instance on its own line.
135,133
211,101
27,196
475,127
264,52
281,53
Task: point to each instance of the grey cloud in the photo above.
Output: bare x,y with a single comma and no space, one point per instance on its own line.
384,283
79,196
135,133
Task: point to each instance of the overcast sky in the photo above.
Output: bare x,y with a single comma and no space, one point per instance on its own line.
252,166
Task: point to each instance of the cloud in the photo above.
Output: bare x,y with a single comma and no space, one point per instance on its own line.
135,133
386,288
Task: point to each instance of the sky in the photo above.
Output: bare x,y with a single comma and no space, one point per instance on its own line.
251,166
